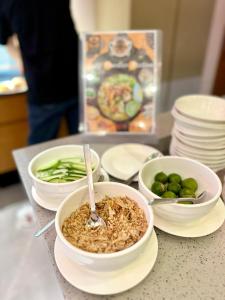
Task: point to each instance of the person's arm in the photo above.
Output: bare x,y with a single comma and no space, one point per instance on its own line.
8,39
14,50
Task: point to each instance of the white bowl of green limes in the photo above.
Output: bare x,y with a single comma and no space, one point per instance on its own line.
175,177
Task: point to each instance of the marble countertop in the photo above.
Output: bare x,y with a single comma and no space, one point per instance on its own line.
186,268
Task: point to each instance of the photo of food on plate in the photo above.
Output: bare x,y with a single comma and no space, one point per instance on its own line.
120,81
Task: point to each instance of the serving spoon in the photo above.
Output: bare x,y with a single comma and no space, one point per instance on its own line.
94,220
160,201
155,201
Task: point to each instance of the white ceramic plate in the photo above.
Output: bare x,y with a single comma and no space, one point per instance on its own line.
211,162
196,123
211,158
206,146
207,152
199,132
107,283
123,160
202,107
203,139
207,160
53,206
202,227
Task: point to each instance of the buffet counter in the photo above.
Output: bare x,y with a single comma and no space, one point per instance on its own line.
186,268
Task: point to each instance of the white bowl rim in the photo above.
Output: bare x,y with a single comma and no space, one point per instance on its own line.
105,255
199,96
56,183
191,206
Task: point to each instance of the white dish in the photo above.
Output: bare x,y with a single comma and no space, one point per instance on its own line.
58,191
181,213
198,132
213,166
201,156
123,160
208,152
203,139
202,107
107,283
208,160
100,262
202,227
53,205
213,144
196,123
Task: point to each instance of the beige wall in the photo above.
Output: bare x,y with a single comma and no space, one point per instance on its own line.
193,24
160,14
113,14
185,25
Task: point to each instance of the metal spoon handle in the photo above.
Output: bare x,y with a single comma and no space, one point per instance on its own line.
158,201
45,228
87,157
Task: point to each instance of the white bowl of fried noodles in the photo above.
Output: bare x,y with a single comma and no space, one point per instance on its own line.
129,221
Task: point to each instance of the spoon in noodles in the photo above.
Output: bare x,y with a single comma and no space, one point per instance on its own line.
94,219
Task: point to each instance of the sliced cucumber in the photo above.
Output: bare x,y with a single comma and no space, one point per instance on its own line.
50,165
63,170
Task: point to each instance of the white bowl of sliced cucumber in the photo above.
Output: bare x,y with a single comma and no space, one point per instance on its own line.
58,171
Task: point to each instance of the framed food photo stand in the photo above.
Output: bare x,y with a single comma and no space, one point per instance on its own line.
121,80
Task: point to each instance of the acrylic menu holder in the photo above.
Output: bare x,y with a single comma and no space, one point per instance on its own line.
120,82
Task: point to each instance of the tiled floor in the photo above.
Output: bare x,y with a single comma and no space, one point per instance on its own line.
26,271
12,194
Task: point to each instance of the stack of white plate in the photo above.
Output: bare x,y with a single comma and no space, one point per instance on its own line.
199,130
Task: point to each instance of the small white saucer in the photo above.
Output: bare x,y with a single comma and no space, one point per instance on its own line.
123,160
107,283
202,227
53,206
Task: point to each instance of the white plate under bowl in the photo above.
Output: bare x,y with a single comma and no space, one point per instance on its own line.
202,107
123,160
53,206
107,283
202,227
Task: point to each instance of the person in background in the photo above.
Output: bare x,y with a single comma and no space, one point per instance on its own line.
49,44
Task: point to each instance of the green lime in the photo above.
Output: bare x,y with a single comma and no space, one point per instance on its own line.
173,177
169,194
187,193
158,188
190,183
174,187
161,177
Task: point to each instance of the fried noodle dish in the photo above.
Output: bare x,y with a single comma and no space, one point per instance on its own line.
125,225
